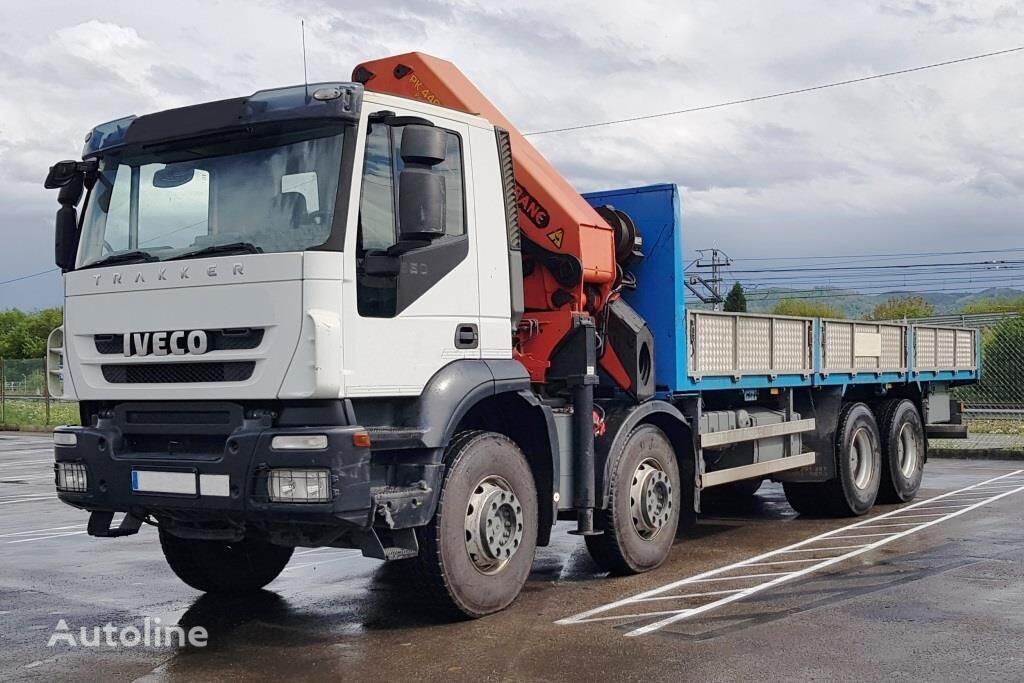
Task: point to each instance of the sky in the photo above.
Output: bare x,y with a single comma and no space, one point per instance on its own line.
924,162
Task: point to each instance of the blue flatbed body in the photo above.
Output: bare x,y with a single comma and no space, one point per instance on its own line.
813,354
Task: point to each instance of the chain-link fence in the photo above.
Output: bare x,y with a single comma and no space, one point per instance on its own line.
994,408
24,399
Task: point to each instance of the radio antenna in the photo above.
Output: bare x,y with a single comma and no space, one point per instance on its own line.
305,78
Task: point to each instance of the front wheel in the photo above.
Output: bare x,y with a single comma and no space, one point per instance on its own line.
640,523
477,551
224,567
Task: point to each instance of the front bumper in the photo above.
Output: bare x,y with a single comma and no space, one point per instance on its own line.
363,494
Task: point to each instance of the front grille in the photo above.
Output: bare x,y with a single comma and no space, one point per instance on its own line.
178,373
217,340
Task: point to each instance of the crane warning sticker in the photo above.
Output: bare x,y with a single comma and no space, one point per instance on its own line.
556,237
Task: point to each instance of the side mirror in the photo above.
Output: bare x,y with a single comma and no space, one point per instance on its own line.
421,204
421,190
61,173
65,240
173,176
423,145
71,178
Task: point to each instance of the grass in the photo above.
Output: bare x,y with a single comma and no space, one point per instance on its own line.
1013,427
24,413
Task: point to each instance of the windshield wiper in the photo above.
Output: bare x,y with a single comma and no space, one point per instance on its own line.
134,256
232,248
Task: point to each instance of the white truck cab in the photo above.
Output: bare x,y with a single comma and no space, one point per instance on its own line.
276,257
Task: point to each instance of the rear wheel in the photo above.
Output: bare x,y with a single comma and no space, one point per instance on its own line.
903,451
224,567
640,523
858,470
478,549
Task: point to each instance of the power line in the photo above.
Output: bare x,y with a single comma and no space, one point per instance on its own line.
34,274
887,257
786,93
755,298
896,278
999,264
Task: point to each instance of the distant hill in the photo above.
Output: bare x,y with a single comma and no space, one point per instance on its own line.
858,305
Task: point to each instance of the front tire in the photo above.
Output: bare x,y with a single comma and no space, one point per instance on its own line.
643,514
903,450
478,549
224,567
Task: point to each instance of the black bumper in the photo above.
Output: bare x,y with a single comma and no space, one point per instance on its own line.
362,494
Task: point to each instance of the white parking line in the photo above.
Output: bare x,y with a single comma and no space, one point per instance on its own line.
802,546
27,500
47,537
818,550
690,595
25,463
30,532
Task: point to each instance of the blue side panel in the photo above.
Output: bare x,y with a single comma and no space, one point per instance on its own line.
659,298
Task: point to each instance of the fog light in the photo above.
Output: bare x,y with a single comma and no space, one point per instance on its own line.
65,439
299,442
71,476
300,485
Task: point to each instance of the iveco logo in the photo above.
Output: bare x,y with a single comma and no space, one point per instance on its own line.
176,343
162,275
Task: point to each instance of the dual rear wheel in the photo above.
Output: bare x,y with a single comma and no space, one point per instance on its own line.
879,457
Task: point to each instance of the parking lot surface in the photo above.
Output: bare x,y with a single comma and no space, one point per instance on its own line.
930,591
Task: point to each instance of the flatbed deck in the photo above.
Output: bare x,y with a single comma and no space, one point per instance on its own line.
700,350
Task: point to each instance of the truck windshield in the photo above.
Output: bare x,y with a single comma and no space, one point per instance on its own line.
267,194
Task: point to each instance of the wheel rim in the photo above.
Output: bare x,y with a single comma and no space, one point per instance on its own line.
907,450
494,524
862,461
650,499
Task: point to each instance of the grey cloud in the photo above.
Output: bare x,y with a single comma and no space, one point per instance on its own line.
931,159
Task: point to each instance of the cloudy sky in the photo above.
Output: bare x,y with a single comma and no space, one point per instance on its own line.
930,161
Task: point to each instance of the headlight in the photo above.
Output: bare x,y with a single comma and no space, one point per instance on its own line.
71,476
299,442
65,439
299,485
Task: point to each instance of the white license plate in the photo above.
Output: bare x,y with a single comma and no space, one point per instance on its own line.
181,483
149,481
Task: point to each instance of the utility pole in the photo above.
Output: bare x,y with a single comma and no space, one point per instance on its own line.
708,289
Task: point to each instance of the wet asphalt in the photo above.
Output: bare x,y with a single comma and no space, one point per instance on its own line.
944,603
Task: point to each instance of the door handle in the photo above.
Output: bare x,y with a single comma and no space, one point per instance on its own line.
466,336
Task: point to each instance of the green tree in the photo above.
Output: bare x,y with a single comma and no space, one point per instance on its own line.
899,307
807,308
736,300
1004,305
23,335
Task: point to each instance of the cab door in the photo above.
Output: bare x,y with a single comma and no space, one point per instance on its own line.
404,326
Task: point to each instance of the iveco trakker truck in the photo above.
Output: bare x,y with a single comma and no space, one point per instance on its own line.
369,314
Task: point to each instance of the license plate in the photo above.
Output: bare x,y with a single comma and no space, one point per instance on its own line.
181,483
149,481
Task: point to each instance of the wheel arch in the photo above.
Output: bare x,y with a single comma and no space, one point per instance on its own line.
521,417
620,420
